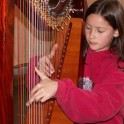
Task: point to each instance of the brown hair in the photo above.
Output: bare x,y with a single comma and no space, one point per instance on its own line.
113,13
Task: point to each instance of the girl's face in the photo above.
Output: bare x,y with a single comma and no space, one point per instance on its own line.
99,33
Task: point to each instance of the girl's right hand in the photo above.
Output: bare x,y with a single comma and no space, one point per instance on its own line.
43,90
45,63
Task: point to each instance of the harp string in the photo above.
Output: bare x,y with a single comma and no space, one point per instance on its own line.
36,33
38,109
25,56
30,72
21,74
19,81
34,47
45,40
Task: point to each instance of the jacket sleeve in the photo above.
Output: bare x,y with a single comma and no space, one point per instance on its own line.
83,106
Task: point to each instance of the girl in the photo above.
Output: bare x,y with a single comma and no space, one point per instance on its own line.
101,99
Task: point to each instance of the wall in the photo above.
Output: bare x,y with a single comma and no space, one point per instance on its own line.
91,1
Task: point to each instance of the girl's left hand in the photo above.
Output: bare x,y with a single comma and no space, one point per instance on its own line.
45,65
44,90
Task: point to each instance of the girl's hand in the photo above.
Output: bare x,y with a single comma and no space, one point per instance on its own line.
44,90
45,64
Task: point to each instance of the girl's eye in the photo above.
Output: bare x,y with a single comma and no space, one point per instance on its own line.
87,27
101,30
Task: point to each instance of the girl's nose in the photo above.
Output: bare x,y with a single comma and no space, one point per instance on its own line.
92,33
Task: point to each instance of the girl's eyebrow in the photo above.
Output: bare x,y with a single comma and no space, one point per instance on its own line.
97,27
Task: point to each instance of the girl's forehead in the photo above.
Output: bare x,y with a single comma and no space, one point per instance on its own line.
97,20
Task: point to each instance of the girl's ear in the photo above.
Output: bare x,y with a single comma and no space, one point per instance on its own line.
116,33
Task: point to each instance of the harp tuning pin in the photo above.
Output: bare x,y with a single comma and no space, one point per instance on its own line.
72,10
58,76
56,28
53,28
65,23
50,108
62,27
69,17
52,102
47,119
64,47
50,17
49,113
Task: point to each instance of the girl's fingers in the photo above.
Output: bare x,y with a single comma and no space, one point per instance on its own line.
46,64
46,68
41,74
31,100
43,99
34,98
52,53
38,96
35,89
47,71
45,61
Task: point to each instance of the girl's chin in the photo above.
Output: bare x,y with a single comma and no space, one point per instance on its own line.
97,49
94,49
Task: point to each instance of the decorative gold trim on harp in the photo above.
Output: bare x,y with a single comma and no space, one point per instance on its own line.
56,15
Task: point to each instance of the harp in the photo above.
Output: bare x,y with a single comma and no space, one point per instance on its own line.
25,15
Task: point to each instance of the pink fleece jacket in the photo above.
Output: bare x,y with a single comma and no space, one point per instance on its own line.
104,103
